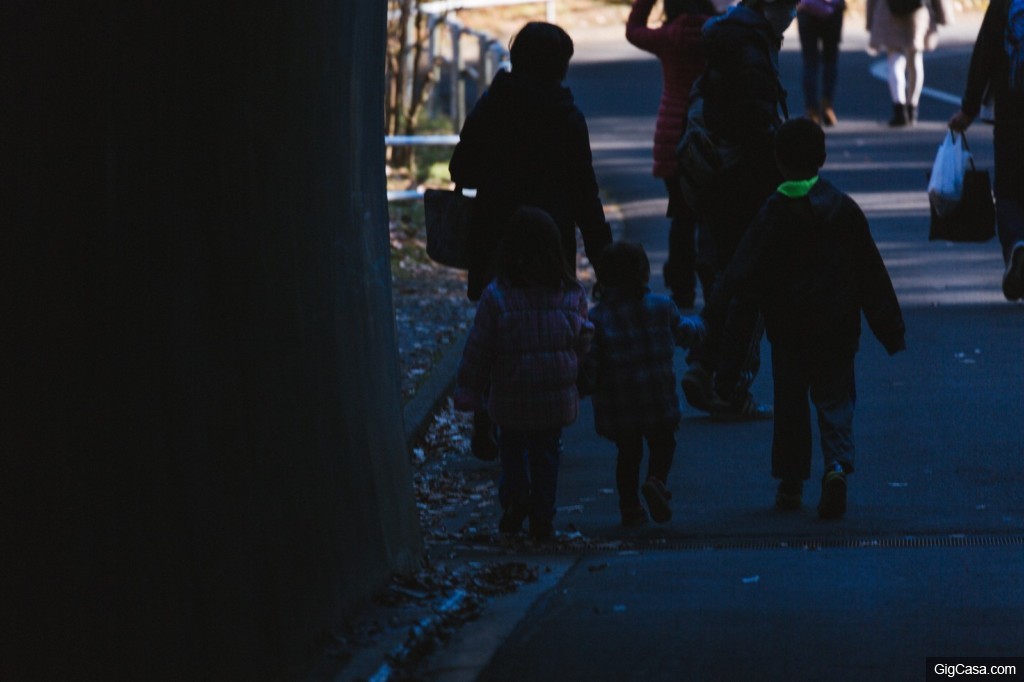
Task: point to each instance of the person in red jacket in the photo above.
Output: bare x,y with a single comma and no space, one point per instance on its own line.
676,43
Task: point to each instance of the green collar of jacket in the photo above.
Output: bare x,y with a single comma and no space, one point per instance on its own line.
794,189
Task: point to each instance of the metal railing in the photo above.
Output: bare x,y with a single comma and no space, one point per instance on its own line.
416,141
449,5
492,56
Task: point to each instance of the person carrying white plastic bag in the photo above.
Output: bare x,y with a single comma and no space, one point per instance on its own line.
946,184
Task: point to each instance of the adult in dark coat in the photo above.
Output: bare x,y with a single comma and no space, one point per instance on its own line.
526,143
997,69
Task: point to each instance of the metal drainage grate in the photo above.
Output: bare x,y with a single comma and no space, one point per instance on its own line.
581,546
895,542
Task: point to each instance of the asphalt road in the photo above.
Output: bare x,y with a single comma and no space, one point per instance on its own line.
928,560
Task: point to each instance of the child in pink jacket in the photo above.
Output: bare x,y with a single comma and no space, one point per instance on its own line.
521,364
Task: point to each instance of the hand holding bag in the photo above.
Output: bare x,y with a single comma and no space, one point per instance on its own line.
448,217
945,185
973,219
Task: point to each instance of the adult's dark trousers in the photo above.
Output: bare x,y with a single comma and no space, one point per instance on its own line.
1008,149
529,470
826,376
819,49
739,352
683,268
732,353
661,441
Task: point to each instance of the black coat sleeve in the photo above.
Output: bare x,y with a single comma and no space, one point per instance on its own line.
988,50
877,295
468,166
587,211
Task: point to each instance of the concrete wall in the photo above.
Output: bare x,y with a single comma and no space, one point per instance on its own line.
202,466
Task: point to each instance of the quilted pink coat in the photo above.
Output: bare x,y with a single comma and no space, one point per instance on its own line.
677,46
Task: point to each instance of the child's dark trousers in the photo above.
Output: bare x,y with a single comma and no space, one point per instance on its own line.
529,466
662,444
826,374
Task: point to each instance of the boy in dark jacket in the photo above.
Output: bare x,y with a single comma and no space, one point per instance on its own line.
810,261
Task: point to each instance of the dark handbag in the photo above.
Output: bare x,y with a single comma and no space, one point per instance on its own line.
448,217
974,218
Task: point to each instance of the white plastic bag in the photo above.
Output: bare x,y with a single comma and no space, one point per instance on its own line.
946,184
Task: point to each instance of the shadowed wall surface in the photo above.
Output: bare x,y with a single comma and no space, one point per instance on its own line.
203,466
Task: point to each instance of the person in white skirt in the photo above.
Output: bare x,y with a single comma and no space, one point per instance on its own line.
904,30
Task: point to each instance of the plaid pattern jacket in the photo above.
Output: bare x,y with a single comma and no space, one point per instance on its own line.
629,367
523,355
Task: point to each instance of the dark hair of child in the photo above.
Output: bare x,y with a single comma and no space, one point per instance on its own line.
624,267
675,8
531,252
800,148
541,51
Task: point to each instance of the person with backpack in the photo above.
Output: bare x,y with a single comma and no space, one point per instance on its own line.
526,143
676,44
904,30
743,103
521,362
997,70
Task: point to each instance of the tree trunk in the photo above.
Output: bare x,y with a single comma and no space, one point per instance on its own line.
202,465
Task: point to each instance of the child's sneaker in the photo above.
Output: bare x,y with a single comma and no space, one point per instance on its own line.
833,493
789,495
656,497
634,517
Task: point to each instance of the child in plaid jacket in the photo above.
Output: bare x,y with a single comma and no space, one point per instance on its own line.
630,371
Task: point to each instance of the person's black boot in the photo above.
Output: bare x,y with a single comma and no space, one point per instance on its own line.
899,115
911,114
